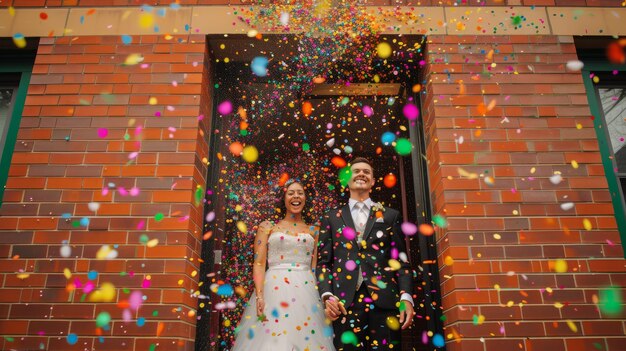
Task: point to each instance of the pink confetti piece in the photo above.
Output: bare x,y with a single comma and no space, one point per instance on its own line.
122,191
134,191
103,132
145,284
141,225
105,191
133,155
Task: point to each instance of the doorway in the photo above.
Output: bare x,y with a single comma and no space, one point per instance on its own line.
305,133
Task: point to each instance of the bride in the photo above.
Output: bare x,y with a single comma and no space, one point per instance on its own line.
285,312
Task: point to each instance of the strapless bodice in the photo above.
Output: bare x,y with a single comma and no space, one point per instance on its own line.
290,251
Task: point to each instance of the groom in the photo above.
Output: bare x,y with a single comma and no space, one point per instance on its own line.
363,293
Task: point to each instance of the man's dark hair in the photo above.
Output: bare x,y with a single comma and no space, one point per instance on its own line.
362,160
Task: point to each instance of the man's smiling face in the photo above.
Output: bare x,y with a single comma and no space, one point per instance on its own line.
362,177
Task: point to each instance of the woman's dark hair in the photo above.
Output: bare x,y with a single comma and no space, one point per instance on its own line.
280,201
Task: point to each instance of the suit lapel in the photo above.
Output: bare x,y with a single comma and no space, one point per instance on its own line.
369,225
346,215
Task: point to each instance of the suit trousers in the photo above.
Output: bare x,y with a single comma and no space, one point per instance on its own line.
369,325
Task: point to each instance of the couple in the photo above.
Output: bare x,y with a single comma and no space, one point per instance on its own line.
367,301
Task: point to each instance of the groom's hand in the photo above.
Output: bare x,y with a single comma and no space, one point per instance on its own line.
406,314
333,308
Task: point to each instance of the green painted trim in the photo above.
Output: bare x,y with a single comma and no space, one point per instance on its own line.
16,67
14,126
605,150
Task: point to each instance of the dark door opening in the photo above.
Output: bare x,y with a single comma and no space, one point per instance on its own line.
300,132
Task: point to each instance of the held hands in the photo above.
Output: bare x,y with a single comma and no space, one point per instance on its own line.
334,308
406,314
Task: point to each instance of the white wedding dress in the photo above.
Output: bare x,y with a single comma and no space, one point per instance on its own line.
295,319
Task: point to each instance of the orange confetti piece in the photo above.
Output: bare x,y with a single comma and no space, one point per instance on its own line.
160,328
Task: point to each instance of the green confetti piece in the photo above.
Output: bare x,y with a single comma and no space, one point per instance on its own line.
403,146
152,347
157,217
345,174
611,301
402,306
199,195
306,147
155,313
9,339
349,337
440,221
144,238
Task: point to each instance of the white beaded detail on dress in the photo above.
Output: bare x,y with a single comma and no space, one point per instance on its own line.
290,251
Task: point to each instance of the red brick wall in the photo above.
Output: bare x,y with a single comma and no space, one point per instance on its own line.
80,86
543,103
95,3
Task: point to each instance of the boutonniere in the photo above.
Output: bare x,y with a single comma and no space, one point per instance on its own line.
378,207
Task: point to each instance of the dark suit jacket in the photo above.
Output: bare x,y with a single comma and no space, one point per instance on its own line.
384,285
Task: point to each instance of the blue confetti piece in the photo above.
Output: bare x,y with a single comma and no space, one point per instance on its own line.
66,216
72,338
174,6
161,12
127,39
225,290
141,321
92,275
250,333
82,19
187,27
438,340
156,29
84,221
147,8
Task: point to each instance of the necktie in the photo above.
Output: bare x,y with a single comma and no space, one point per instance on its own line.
361,220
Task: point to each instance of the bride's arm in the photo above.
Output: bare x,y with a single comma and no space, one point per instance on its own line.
260,257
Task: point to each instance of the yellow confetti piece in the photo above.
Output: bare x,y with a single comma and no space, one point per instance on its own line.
560,266
466,174
67,273
394,265
11,11
133,59
152,101
497,287
497,236
22,275
104,251
558,305
194,273
572,326
449,261
383,50
510,303
574,164
579,126
549,290
180,282
587,224
146,20
152,243
242,227
393,323
532,170
106,293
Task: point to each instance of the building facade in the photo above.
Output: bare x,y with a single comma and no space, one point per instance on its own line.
102,231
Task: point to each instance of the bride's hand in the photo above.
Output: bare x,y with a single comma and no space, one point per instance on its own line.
260,306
